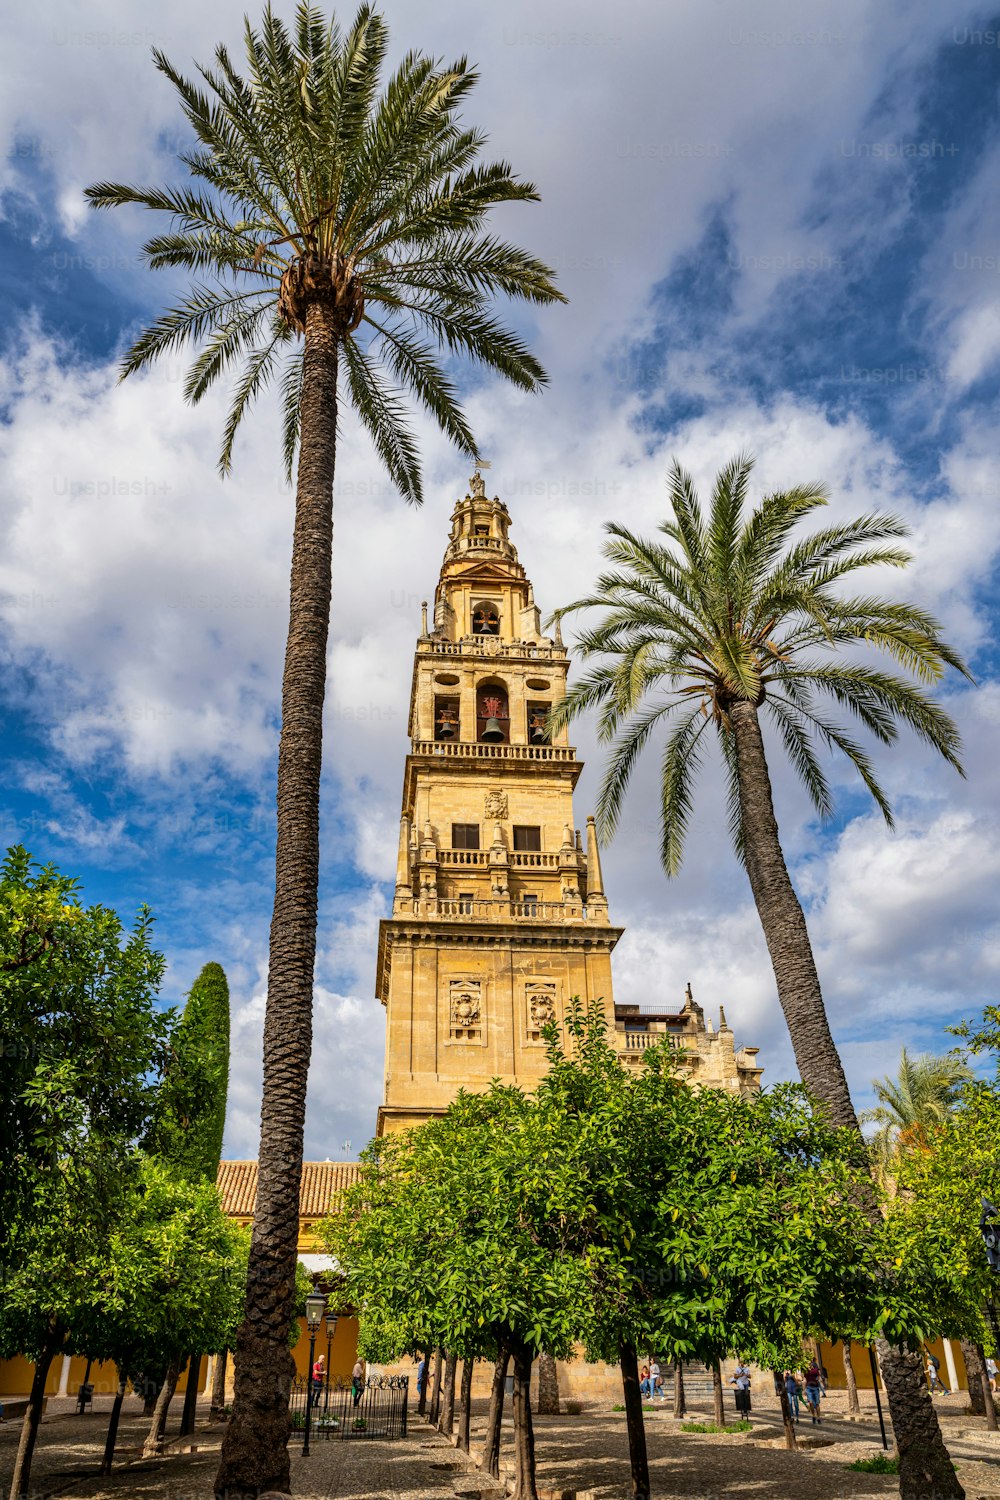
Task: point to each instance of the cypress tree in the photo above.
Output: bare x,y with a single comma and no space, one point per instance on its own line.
190,1114
191,1109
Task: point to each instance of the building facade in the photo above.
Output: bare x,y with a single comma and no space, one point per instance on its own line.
500,914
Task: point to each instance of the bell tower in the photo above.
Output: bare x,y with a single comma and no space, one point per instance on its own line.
499,914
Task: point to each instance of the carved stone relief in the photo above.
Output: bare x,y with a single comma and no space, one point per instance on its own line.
465,1009
540,1006
496,805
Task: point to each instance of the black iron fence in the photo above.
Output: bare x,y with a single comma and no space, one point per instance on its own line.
340,1409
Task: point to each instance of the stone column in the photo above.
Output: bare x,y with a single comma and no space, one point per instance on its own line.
64,1376
949,1361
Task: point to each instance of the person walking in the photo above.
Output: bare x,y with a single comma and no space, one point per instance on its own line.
421,1375
934,1374
991,1371
741,1380
814,1393
358,1379
792,1392
318,1377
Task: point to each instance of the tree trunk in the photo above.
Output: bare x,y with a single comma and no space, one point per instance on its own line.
422,1395
628,1359
680,1405
446,1420
435,1412
158,1426
112,1437
853,1404
20,1485
973,1365
491,1445
465,1405
925,1468
255,1446
524,1435
980,1391
218,1408
786,1410
718,1399
190,1409
150,1394
548,1386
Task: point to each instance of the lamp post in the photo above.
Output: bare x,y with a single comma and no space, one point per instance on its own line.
989,1228
315,1308
331,1329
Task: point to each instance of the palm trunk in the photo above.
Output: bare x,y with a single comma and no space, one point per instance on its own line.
925,1471
786,1409
435,1411
718,1399
524,1435
638,1457
465,1405
853,1404
218,1408
190,1411
446,1420
255,1447
158,1426
680,1405
112,1437
20,1484
491,1445
548,1386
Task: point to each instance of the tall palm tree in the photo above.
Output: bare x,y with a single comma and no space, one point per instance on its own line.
729,619
336,234
910,1106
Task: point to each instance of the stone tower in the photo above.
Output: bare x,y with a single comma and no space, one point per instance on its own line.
499,914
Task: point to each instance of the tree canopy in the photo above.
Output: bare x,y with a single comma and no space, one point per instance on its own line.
190,1114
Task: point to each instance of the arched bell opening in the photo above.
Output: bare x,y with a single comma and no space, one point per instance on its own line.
492,714
446,718
485,619
538,714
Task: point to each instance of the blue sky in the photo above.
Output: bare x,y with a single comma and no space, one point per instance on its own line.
778,228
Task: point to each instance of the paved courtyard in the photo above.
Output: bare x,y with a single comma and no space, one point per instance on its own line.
588,1452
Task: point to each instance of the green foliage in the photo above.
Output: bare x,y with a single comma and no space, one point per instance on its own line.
302,164
933,1240
561,1216
912,1105
164,1271
190,1115
880,1463
731,608
82,1041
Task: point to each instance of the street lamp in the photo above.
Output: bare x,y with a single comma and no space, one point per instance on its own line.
331,1329
989,1228
315,1308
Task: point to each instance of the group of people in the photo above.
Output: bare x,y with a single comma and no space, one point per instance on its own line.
319,1380
937,1384
811,1388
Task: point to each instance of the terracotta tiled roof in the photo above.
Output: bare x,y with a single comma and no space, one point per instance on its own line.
321,1182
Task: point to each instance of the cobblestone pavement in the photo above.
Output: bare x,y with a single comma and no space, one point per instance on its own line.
586,1452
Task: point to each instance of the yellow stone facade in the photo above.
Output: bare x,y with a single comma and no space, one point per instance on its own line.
499,914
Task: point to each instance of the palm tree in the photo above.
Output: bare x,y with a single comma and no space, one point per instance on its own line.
728,619
911,1106
336,237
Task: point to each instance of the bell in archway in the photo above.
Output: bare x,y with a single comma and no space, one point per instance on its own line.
446,729
492,733
536,729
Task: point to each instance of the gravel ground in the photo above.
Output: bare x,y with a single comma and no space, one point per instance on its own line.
588,1452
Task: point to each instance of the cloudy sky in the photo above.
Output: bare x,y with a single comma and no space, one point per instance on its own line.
778,227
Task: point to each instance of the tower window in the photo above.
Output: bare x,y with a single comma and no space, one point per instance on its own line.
485,620
492,714
480,531
446,718
537,715
465,835
527,840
